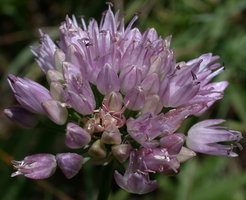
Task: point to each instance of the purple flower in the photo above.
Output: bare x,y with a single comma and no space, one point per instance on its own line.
136,179
78,92
116,83
146,128
108,80
29,93
159,160
56,111
70,163
37,166
45,53
173,143
205,137
21,116
113,101
76,137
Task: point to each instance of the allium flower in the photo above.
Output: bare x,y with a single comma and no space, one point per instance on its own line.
21,116
37,166
29,93
136,178
113,85
76,137
205,137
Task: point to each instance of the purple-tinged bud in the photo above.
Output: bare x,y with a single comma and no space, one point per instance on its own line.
152,105
151,84
135,99
130,77
111,135
121,152
76,137
206,137
21,116
54,76
29,93
173,143
107,80
37,166
57,91
59,59
56,111
70,163
98,150
80,96
113,101
185,154
159,160
135,180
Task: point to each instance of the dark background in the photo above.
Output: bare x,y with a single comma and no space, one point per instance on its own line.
197,26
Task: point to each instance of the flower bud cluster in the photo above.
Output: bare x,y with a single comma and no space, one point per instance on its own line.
110,85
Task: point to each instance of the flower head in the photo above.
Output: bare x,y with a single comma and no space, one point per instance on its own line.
124,96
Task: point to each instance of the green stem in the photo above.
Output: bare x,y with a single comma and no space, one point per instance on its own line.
106,180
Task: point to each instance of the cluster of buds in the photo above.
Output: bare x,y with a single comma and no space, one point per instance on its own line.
110,85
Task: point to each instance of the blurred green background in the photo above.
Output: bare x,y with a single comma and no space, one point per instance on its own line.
197,26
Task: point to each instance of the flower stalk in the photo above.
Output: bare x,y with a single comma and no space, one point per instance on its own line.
106,181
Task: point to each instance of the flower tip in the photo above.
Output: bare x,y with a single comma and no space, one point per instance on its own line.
232,154
11,79
110,4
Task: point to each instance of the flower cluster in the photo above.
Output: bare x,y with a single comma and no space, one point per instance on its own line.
122,96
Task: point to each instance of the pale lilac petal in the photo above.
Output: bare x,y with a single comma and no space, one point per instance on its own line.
204,137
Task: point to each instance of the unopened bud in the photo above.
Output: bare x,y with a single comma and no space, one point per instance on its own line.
37,166
111,135
55,111
113,101
121,152
185,154
173,143
59,59
54,76
56,91
97,150
135,98
70,163
151,105
76,137
21,116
